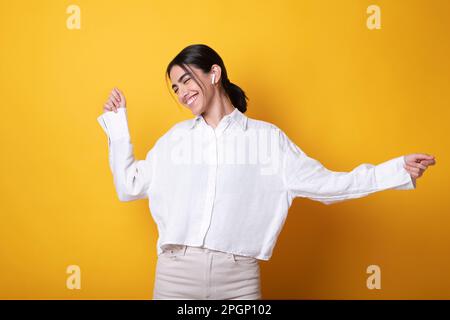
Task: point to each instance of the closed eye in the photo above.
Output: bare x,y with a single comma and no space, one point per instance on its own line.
184,83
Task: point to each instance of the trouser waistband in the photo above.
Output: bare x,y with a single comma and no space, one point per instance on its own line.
177,249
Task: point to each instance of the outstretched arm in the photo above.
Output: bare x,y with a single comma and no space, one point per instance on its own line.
307,177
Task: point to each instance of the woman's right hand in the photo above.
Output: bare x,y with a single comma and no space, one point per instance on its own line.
115,101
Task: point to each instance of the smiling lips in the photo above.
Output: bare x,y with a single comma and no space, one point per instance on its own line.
192,99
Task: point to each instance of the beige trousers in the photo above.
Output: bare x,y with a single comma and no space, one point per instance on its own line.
185,272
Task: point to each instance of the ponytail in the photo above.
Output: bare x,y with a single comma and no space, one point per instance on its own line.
236,94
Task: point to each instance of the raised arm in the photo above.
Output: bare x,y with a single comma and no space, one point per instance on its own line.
131,177
307,177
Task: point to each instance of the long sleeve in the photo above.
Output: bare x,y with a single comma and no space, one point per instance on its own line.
131,177
307,177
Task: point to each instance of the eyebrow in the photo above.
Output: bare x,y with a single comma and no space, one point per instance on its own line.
179,80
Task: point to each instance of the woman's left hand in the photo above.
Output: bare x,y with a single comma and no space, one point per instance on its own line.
417,163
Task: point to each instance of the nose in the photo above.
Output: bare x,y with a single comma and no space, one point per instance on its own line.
184,95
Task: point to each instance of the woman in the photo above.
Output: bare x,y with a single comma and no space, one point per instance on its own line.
220,184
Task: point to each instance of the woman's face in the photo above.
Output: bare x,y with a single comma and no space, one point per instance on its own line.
188,91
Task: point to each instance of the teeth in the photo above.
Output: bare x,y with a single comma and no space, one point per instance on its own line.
192,99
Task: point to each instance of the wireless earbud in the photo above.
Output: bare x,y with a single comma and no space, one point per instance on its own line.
213,78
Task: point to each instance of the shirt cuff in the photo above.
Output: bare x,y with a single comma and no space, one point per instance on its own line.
114,124
392,175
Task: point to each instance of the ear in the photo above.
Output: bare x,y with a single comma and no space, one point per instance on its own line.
217,71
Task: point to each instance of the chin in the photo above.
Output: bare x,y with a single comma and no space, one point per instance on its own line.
196,110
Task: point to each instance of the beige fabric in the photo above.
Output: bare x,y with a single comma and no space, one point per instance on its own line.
185,272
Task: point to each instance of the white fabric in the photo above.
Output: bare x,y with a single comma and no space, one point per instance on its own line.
230,188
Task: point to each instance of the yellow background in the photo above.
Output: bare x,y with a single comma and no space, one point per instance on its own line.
345,94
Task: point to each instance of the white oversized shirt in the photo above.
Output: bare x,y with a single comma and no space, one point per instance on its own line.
230,188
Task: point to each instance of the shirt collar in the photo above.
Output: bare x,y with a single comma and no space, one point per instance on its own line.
235,115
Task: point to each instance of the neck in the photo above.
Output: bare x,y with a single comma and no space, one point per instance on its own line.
220,106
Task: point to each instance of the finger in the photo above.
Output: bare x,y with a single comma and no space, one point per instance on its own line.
113,107
416,157
427,162
413,173
115,95
419,165
122,97
411,169
113,101
408,170
421,156
107,107
413,162
110,105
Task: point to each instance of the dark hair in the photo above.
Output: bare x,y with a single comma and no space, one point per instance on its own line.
203,57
